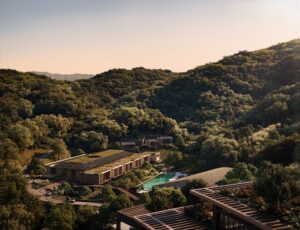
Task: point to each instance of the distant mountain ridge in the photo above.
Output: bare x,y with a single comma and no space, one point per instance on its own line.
67,77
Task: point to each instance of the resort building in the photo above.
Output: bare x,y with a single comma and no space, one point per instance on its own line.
151,143
164,140
224,213
98,168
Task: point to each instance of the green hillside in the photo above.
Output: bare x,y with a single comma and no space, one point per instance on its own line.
246,89
239,111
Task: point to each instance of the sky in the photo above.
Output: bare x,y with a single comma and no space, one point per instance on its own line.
92,36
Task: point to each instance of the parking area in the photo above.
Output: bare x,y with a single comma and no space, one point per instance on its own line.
44,193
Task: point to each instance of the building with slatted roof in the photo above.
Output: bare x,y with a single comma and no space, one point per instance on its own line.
231,214
140,218
226,213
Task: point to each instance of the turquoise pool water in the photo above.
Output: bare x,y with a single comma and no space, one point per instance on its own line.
160,179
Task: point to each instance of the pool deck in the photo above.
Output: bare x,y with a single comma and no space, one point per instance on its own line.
174,177
147,180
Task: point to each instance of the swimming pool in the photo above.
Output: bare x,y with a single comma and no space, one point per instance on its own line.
159,179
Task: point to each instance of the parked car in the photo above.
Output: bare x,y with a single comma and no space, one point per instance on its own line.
48,193
70,200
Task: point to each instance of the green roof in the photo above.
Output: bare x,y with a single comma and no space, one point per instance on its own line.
94,156
109,166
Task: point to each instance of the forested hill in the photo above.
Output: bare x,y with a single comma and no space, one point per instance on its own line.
243,108
228,88
219,107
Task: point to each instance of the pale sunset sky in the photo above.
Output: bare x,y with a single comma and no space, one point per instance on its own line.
92,36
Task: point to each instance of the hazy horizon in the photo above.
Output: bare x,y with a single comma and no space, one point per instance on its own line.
73,36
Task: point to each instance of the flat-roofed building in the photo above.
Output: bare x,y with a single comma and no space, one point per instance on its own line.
117,168
151,144
98,168
128,145
164,140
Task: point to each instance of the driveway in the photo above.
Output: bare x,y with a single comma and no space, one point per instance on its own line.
41,194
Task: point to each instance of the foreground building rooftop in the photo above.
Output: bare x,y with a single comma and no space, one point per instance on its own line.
227,209
140,218
226,213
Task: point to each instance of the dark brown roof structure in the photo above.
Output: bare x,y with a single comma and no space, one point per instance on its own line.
127,215
224,213
237,210
175,218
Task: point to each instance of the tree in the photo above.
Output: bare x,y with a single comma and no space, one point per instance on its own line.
8,149
173,158
61,217
38,129
240,172
220,151
59,148
85,217
90,141
15,107
21,136
145,199
12,182
66,187
296,154
107,194
85,190
105,215
58,126
164,198
277,185
178,199
193,184
109,127
282,151
36,167
15,217
122,201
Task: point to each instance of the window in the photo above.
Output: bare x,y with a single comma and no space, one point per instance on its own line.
146,158
53,171
106,176
116,172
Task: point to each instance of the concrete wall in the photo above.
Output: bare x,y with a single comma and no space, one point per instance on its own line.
90,179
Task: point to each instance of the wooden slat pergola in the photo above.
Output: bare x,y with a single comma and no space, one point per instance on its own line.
127,216
170,219
239,214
